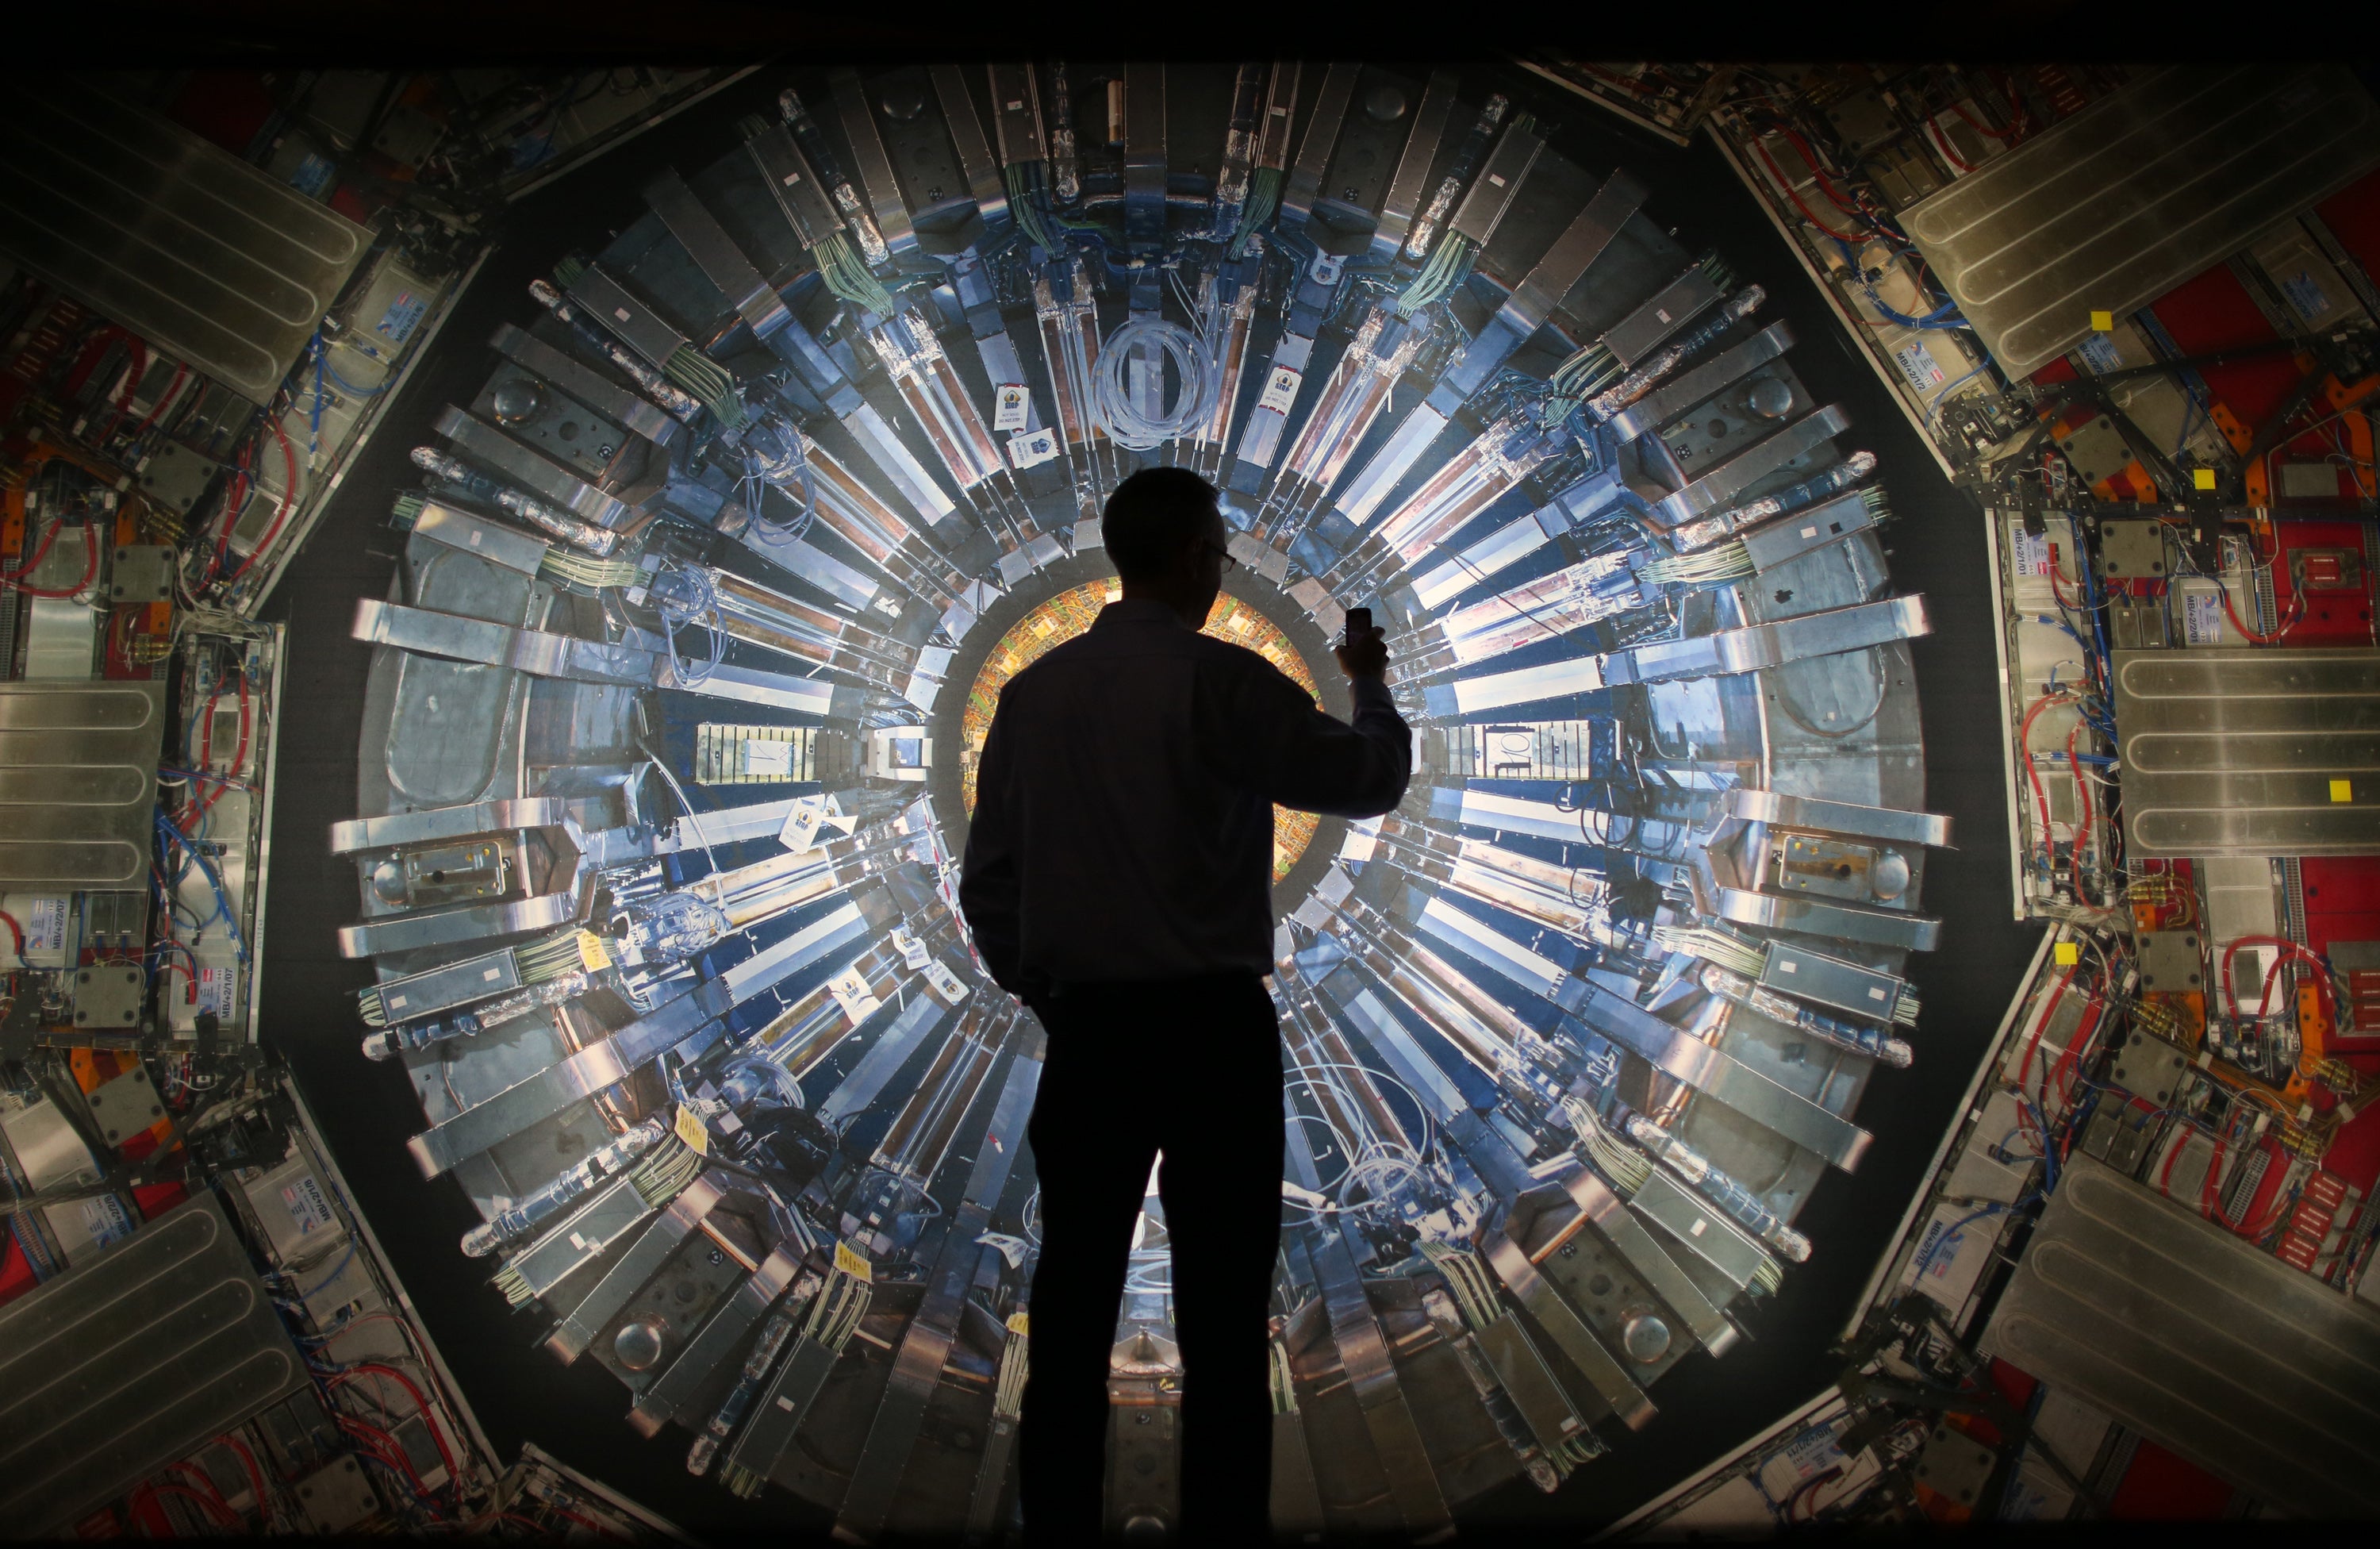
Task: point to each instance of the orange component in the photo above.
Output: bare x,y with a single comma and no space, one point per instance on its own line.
2346,395
1939,1507
2234,431
2314,1036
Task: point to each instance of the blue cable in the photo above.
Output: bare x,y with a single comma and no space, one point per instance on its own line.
314,421
337,1270
344,386
1935,407
1932,320
223,900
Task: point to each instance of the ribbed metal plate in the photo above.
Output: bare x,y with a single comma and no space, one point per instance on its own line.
175,239
78,782
130,1359
2240,751
2136,193
2258,1372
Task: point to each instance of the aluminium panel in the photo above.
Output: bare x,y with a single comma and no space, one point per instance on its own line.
2240,752
2136,193
130,1359
175,239
78,783
2264,1376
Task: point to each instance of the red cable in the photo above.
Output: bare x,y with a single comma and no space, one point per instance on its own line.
2291,952
2048,846
2026,1062
181,373
2082,834
15,932
1812,215
2209,1204
1817,171
373,1368
40,552
132,375
385,1448
288,499
2296,616
1979,126
90,567
255,1476
1942,143
2022,120
228,1520
238,758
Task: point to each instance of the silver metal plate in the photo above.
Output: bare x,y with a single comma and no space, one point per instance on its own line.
2242,751
177,239
130,1359
2261,1375
2116,205
78,782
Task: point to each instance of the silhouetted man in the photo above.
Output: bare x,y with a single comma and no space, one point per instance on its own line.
1119,878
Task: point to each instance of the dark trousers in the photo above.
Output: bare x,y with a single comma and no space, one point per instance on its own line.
1192,1068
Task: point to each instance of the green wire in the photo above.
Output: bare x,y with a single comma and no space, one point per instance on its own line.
1445,270
708,380
847,277
1264,195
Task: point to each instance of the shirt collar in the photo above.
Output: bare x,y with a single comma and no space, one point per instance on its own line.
1136,610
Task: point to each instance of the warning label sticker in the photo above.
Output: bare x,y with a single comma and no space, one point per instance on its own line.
1917,365
219,990
2201,618
307,1207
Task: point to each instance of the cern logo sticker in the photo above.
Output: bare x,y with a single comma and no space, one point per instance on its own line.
1032,448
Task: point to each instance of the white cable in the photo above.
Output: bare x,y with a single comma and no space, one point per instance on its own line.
1111,396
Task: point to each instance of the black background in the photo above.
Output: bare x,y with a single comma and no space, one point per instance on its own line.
1707,1406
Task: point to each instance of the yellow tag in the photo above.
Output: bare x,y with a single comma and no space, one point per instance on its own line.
1016,1324
852,1261
2342,790
2202,478
592,952
2066,954
689,1129
2103,323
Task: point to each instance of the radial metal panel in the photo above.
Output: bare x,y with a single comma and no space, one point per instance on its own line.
176,239
2116,205
1447,986
78,782
2241,752
2261,1375
128,1361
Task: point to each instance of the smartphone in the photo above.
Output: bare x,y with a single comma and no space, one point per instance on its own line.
1359,623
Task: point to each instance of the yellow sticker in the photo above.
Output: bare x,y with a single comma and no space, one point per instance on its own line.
2066,954
689,1129
2342,790
852,1261
2103,323
592,952
1017,1325
2202,478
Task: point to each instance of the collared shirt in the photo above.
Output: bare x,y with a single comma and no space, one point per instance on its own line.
1124,811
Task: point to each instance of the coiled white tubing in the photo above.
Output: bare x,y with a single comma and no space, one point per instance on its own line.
1111,396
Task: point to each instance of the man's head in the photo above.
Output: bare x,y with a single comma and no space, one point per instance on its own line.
1165,533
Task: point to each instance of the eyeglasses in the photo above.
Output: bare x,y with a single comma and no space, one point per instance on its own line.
1224,555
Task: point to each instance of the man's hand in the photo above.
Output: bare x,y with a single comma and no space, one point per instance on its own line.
1364,655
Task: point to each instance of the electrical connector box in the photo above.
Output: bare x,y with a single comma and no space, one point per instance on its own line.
292,1209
